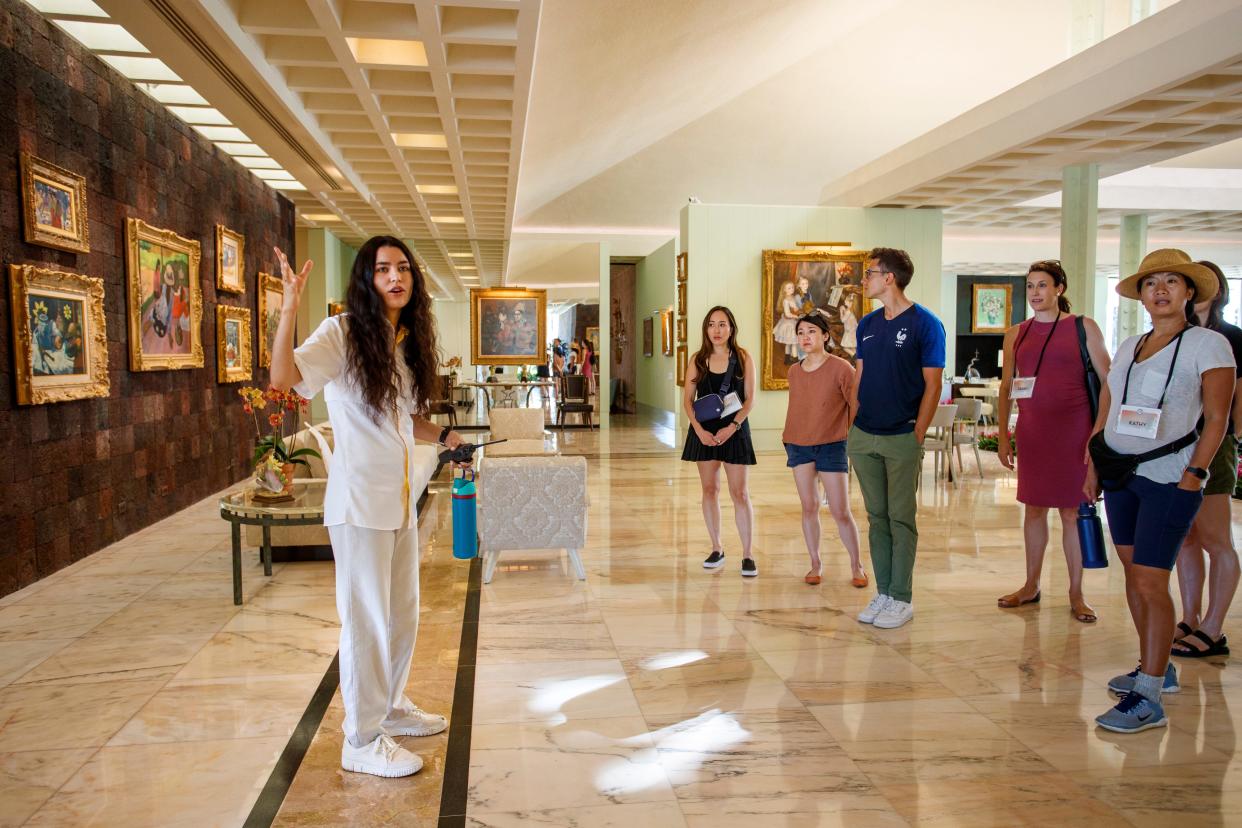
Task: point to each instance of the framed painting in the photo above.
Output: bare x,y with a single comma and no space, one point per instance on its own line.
592,335
54,206
681,299
666,332
990,308
234,353
507,326
60,337
230,260
648,336
682,354
681,330
165,299
683,267
271,298
797,283
336,308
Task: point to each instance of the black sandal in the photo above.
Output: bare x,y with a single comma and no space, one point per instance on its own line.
1214,648
1183,630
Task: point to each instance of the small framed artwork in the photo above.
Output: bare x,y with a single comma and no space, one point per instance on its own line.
681,330
990,308
336,308
683,267
681,365
165,309
234,354
60,339
271,298
681,299
54,206
230,260
648,336
592,335
666,332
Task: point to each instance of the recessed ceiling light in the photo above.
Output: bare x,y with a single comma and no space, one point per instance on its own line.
376,51
141,68
437,189
425,140
462,255
466,267
173,93
222,133
448,219
203,115
258,163
286,185
273,175
77,8
236,149
102,37
320,217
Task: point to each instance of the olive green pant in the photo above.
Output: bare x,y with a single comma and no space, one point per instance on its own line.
887,467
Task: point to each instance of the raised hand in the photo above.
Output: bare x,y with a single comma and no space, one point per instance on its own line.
293,283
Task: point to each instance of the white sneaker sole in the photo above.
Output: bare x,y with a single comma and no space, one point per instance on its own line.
715,565
1148,726
1164,691
885,624
386,771
416,731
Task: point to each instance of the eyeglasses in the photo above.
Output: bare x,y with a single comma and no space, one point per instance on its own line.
873,273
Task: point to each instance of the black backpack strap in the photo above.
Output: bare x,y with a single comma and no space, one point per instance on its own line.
728,380
1082,343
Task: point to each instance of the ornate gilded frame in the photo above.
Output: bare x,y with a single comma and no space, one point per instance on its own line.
666,332
267,282
478,295
1006,314
137,230
683,267
32,390
770,382
246,350
76,241
224,234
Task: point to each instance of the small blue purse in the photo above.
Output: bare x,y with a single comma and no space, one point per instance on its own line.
713,406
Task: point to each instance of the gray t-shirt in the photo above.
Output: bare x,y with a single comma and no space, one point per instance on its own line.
1202,350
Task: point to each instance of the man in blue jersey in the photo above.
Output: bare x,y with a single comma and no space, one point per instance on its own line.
900,362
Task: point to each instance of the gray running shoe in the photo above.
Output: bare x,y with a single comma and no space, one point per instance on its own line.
1125,684
1134,713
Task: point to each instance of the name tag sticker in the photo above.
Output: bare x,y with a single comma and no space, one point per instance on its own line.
1137,421
1022,388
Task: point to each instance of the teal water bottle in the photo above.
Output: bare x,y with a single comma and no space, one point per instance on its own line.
465,519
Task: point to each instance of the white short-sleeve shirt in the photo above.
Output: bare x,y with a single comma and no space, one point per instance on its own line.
369,485
1202,350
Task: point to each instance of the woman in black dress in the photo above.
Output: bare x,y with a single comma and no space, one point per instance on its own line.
723,440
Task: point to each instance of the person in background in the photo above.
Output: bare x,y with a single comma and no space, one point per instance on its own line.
1044,375
821,390
725,440
588,365
1160,384
1200,635
900,362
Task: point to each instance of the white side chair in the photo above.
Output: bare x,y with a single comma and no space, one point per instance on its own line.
537,502
523,428
966,430
939,440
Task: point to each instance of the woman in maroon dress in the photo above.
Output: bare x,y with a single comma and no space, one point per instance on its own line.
1044,376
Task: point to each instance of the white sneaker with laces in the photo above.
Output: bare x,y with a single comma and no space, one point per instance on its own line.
895,614
415,722
877,605
382,757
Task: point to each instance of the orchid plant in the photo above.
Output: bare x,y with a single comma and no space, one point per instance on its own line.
271,453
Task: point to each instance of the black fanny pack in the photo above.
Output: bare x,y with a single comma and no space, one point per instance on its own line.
1114,469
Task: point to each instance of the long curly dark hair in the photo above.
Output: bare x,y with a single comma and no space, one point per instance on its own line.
369,336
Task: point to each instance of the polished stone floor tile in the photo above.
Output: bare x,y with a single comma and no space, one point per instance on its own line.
552,692
99,658
30,778
19,657
43,716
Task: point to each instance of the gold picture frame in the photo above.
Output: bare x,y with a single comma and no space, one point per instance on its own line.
60,336
592,335
799,282
683,267
230,260
502,331
234,351
991,308
682,355
271,299
666,332
681,299
681,330
165,295
54,206
336,308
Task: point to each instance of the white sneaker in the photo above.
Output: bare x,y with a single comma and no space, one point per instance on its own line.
877,605
382,757
416,722
894,614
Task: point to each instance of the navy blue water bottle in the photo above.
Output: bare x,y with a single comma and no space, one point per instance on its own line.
465,528
1091,538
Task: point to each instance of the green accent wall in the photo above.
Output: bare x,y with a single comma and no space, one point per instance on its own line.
655,291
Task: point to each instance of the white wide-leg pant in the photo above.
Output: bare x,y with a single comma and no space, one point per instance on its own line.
377,600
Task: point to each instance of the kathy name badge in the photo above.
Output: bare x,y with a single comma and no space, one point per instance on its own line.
1138,421
1022,388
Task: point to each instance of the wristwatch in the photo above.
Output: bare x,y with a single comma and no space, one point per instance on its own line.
1198,472
444,435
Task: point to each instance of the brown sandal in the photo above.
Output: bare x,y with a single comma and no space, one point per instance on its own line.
1012,601
1084,614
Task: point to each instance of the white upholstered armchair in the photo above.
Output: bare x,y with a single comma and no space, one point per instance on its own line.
536,502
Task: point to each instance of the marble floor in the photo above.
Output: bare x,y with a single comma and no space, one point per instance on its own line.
132,691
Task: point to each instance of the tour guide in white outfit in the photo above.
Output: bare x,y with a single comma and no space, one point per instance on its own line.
376,365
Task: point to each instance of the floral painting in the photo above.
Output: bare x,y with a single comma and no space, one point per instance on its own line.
990,308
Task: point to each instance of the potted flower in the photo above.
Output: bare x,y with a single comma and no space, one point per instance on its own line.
274,460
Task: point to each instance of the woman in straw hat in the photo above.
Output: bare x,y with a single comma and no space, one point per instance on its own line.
1159,385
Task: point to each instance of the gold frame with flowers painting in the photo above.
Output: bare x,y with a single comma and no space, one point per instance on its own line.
234,353
60,337
991,307
230,260
165,299
54,206
271,299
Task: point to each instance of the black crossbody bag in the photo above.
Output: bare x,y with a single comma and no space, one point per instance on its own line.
1114,469
1091,377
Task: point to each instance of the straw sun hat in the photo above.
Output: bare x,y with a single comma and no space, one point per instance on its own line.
1170,260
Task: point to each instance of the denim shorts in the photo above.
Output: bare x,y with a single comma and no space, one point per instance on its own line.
1152,517
827,457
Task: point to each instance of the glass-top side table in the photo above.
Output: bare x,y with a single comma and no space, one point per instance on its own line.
240,507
